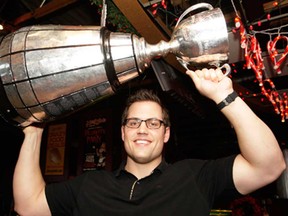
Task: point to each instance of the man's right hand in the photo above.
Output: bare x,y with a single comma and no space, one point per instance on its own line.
34,128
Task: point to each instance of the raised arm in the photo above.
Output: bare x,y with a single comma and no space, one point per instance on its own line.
28,182
261,160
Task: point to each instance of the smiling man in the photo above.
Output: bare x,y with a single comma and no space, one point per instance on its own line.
144,132
144,184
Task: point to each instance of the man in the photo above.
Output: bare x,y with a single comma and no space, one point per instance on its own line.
145,184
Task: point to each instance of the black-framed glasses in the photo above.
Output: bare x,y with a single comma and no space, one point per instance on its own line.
151,123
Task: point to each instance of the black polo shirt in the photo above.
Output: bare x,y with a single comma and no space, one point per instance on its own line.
188,187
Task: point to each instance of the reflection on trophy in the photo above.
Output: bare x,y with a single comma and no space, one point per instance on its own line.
51,71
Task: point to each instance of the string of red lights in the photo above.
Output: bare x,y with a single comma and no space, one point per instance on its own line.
254,61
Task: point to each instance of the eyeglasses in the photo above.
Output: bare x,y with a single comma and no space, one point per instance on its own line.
151,123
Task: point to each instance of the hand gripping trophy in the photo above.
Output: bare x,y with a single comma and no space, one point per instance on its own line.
49,71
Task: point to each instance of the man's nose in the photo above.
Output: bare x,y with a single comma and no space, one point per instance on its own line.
143,127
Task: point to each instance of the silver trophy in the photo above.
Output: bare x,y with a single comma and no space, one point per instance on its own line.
51,71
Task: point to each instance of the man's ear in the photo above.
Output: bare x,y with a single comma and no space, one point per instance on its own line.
166,134
122,133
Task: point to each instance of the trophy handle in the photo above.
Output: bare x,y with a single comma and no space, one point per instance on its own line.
194,7
227,68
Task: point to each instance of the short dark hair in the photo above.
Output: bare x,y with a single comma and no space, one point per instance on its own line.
146,95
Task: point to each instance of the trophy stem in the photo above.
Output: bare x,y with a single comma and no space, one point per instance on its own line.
145,52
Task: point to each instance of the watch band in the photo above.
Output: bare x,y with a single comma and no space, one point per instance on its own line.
229,99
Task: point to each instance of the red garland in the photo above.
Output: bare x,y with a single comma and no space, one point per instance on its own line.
271,47
246,205
254,61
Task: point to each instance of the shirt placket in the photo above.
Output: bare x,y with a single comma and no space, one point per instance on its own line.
134,187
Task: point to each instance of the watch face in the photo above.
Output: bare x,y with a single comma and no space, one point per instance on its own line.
229,99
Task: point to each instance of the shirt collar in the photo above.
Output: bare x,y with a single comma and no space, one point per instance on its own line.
161,167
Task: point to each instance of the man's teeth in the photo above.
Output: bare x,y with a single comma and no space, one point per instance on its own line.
142,141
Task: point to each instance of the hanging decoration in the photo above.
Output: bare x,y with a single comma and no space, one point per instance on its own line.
254,61
156,6
169,11
246,205
273,53
115,18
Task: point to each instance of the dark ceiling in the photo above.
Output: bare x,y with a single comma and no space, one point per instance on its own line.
202,119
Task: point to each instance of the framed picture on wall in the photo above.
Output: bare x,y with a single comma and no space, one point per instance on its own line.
55,151
97,141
